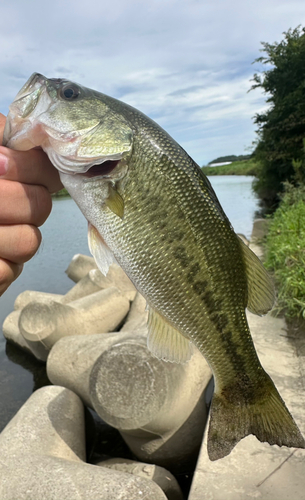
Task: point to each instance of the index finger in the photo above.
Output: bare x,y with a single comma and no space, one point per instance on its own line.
30,167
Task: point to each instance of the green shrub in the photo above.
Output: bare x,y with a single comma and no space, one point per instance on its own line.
285,251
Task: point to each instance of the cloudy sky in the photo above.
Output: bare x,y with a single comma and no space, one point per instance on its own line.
185,63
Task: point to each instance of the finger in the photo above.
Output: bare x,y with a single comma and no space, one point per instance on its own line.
23,203
19,243
29,167
8,273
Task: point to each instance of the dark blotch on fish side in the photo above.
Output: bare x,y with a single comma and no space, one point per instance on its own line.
192,272
181,255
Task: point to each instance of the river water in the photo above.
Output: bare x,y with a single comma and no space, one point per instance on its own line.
65,234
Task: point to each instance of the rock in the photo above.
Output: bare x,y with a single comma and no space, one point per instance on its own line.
159,475
80,266
42,325
158,407
42,453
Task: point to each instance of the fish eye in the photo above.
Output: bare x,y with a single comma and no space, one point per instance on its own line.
70,92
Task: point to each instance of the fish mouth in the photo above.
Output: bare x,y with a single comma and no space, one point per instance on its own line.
102,169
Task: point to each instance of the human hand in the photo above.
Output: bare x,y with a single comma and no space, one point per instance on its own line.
27,179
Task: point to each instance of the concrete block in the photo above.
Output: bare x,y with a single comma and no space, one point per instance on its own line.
158,407
167,482
120,280
80,266
28,296
11,332
42,456
71,360
95,281
42,325
137,317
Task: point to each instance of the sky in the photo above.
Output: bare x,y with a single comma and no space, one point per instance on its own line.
187,64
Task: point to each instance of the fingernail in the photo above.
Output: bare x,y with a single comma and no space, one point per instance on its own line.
3,164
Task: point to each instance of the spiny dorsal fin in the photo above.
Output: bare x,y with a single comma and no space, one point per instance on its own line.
165,342
115,202
260,287
100,251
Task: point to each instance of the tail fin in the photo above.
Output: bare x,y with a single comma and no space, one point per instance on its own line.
266,417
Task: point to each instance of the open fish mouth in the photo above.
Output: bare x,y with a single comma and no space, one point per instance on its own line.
102,169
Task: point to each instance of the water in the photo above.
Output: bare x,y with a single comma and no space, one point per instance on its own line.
65,234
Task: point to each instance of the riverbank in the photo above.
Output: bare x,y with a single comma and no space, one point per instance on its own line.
248,167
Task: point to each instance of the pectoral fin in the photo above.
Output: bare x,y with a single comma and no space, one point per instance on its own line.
100,251
115,202
165,342
261,294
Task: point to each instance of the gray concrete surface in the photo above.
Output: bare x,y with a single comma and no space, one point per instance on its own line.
42,453
257,470
167,482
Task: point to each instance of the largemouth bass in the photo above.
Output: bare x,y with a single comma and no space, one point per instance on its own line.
151,208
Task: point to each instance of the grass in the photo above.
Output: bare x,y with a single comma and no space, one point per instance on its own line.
247,167
285,252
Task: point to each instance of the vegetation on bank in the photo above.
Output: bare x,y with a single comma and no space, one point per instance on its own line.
62,192
247,167
285,251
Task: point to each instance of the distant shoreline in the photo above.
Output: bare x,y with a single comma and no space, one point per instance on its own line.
247,167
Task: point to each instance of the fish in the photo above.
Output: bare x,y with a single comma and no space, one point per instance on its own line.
151,209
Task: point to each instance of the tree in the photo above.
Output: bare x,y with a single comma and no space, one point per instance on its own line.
281,129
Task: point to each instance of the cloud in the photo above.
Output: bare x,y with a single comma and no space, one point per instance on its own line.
187,64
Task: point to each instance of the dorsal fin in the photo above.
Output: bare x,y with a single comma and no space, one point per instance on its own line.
103,256
261,293
165,342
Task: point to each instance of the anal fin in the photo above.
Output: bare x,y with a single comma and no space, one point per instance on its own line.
165,341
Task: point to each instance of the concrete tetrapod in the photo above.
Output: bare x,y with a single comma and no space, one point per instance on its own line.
159,475
42,325
137,317
42,451
12,333
95,281
80,266
158,407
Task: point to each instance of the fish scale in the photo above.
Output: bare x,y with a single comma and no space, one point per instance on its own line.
150,206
